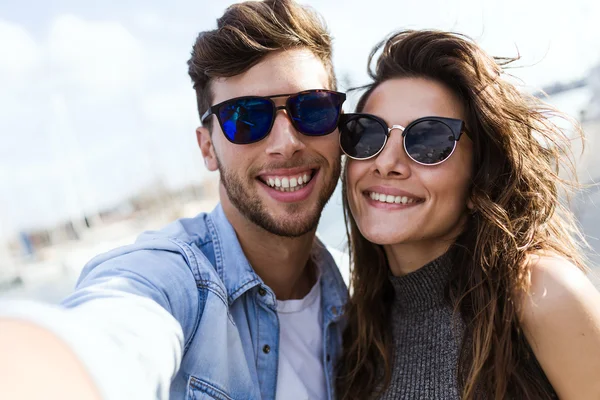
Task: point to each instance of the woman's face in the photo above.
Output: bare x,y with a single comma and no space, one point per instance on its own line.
436,203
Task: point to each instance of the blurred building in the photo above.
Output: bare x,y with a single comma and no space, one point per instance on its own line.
592,113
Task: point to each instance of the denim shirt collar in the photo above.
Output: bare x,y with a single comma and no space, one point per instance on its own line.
231,262
334,293
238,276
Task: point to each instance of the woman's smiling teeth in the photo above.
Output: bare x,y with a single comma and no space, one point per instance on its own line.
388,198
288,183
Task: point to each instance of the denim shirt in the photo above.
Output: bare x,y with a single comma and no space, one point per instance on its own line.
211,330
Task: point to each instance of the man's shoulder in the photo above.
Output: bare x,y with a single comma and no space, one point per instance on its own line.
184,243
184,230
332,258
342,260
333,264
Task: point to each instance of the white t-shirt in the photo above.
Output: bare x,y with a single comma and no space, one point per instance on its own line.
300,373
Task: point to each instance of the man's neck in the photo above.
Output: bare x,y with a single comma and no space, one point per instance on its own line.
283,263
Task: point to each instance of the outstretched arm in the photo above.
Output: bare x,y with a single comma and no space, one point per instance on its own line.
35,363
120,335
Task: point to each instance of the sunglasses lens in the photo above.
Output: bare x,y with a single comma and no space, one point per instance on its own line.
429,142
246,120
362,137
315,113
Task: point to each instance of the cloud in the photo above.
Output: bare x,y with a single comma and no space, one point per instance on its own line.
20,53
90,113
63,116
102,57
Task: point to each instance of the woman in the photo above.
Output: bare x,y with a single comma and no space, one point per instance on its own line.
468,281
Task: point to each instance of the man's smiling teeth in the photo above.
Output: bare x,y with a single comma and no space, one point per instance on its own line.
387,198
289,183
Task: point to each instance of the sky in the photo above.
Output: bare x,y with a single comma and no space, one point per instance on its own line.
96,103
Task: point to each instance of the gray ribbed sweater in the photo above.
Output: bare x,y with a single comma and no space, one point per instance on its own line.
427,336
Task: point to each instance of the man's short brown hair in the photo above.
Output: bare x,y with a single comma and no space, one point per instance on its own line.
249,31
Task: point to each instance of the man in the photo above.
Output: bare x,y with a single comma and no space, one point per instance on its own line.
241,303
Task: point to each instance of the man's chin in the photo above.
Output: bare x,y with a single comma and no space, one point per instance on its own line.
290,224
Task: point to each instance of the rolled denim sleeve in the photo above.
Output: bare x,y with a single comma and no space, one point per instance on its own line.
128,320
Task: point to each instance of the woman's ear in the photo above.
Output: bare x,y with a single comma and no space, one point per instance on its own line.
206,147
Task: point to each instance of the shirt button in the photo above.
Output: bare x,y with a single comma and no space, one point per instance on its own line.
266,349
334,310
328,358
262,291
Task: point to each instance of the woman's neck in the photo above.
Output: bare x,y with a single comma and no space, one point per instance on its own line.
404,258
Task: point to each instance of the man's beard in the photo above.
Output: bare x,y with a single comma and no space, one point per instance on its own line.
250,206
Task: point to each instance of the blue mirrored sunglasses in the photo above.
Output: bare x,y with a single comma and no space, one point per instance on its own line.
249,119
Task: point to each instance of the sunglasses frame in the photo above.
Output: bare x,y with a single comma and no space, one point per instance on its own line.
456,126
214,110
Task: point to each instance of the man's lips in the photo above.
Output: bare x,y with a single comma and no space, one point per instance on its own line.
286,179
290,189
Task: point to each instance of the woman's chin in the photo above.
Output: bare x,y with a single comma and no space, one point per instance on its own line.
383,238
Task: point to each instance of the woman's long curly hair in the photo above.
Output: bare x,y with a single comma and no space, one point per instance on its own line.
519,209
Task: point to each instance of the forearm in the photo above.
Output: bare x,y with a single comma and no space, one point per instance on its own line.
36,364
119,334
127,347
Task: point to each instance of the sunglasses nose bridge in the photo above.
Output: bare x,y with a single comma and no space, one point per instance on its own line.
283,139
392,158
396,127
399,127
282,108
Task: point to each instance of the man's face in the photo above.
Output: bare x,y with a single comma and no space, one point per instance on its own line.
310,166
